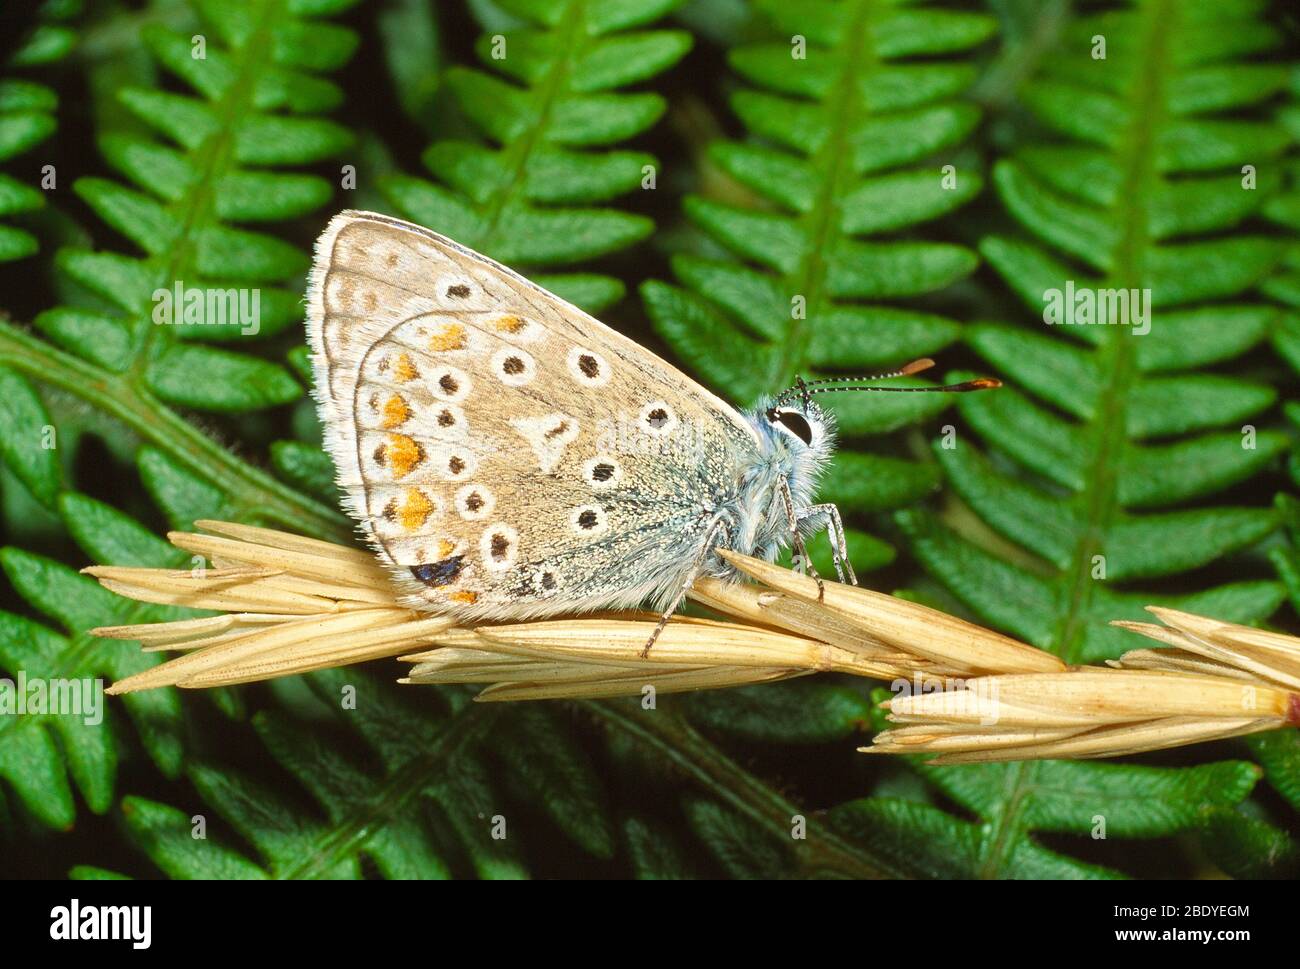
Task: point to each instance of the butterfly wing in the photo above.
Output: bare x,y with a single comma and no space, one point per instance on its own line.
506,454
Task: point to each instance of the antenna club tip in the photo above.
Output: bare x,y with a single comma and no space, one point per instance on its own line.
916,366
985,383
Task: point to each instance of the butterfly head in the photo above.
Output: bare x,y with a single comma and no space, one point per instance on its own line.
800,436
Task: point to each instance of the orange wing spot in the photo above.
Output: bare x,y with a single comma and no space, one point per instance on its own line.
450,337
402,455
509,324
415,510
396,413
469,598
404,370
445,548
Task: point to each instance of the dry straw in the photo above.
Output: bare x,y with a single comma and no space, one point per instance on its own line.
288,604
1211,680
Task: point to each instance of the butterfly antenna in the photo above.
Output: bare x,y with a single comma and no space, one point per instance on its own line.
980,383
805,389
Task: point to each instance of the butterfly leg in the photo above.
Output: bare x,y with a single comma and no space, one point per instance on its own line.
839,545
799,557
705,551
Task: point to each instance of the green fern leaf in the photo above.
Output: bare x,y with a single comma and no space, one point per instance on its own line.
799,712
260,65
76,603
1100,428
367,817
528,197
654,853
256,77
430,807
27,118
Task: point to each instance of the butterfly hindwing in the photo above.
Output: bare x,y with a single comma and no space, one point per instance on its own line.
507,454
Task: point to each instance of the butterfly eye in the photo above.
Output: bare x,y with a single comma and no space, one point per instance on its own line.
796,424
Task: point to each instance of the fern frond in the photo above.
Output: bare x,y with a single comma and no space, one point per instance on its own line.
1102,427
39,751
27,118
216,163
1283,210
255,74
1074,798
381,818
850,136
528,195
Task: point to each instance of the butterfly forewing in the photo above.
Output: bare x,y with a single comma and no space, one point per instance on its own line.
507,454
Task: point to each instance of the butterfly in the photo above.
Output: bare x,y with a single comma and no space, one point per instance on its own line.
509,457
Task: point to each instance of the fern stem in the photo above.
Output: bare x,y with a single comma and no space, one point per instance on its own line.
823,851
570,34
255,494
1108,431
213,159
386,801
832,161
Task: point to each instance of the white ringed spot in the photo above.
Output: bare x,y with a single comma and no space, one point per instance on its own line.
588,368
458,291
454,463
658,419
450,384
447,420
602,472
540,583
513,367
475,502
589,521
499,547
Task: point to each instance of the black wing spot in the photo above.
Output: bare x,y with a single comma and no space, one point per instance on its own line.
500,546
439,573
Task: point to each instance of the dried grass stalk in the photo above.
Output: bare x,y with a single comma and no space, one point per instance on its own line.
1211,680
290,604
293,604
